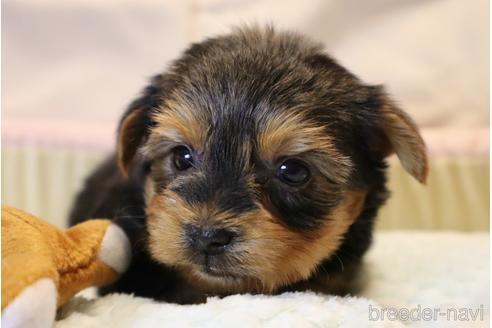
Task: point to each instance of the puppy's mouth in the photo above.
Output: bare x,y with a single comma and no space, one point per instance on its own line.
218,272
215,266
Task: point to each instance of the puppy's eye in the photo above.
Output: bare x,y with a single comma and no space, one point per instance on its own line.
293,172
182,158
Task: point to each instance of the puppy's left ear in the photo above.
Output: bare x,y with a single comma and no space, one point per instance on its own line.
131,133
135,125
398,134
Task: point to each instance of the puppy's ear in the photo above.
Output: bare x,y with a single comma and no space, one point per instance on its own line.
131,133
135,125
398,133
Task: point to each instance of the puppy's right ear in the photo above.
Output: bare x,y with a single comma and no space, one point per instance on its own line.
135,125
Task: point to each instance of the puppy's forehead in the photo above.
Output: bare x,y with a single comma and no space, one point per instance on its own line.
273,132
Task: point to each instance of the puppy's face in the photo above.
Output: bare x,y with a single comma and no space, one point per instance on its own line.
261,150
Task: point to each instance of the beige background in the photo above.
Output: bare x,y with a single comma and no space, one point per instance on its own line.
70,68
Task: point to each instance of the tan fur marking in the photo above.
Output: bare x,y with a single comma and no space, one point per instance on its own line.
149,191
289,135
180,123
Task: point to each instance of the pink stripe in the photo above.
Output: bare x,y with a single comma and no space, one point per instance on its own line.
457,142
59,133
102,136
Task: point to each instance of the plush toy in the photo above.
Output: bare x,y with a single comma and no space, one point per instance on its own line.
43,267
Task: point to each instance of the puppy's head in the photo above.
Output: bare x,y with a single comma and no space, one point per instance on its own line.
262,151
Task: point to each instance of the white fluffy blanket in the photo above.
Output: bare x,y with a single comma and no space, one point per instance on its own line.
408,272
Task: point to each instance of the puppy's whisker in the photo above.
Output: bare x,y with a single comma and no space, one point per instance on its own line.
340,261
131,217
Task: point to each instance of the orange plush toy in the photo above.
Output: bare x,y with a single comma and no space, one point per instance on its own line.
43,267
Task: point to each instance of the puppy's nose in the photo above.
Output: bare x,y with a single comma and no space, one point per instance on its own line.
210,241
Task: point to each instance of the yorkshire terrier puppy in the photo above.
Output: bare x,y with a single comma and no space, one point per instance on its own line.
254,164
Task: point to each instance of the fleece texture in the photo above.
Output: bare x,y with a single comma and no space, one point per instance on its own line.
404,270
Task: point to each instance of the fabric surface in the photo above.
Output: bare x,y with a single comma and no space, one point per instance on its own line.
34,307
404,270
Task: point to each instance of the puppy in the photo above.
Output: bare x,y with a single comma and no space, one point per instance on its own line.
255,164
